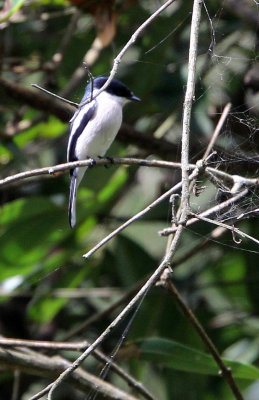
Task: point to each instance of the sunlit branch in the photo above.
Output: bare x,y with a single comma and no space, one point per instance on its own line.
54,170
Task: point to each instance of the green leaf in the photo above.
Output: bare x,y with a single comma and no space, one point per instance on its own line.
29,229
183,358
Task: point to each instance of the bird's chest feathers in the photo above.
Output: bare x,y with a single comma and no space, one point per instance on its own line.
100,131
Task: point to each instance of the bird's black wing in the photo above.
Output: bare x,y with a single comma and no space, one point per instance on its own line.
80,122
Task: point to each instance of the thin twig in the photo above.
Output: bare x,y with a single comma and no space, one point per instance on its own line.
182,213
217,130
75,346
232,178
215,209
132,40
22,94
72,103
91,80
55,169
16,385
140,214
225,371
231,228
187,108
116,62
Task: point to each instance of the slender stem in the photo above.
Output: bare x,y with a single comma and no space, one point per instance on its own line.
182,213
72,103
231,228
217,130
137,216
212,210
187,108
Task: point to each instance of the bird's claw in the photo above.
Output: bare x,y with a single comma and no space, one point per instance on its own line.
107,158
92,162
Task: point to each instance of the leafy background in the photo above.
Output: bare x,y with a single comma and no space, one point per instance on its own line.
41,254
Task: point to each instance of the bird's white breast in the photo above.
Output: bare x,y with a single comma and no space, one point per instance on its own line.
101,130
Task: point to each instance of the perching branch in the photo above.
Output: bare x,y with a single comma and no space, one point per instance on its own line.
56,169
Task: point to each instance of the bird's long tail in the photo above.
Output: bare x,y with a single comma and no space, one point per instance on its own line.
76,177
72,199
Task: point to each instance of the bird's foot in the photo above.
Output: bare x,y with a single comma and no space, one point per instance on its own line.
107,158
92,163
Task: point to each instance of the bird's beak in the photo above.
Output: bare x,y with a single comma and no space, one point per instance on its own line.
134,98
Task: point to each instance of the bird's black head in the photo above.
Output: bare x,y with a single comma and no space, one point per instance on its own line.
115,88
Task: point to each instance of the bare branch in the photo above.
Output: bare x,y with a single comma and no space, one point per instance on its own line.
36,100
217,129
139,215
231,228
55,169
187,108
55,95
182,213
75,346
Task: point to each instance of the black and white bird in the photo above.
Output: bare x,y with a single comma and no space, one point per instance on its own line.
93,129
